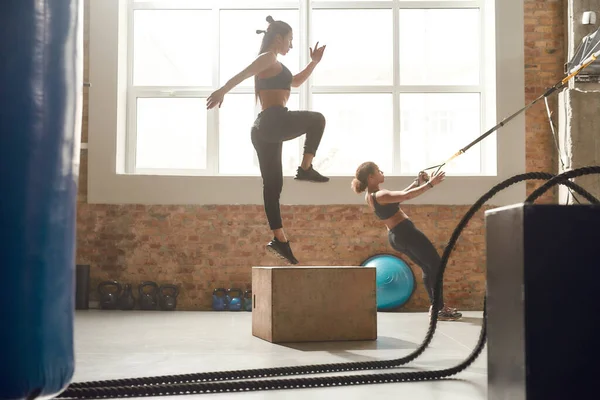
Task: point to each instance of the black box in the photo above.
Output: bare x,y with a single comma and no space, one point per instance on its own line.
543,283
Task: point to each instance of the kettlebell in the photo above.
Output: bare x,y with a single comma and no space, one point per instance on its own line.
126,299
109,297
148,300
248,300
234,299
167,297
219,302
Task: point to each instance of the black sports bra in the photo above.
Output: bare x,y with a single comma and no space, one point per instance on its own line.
283,80
384,211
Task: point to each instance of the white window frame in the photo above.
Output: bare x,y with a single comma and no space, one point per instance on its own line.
110,138
305,8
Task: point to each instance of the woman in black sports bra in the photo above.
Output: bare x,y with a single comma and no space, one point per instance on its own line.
403,236
276,124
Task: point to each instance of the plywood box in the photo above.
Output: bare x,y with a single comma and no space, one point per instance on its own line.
310,304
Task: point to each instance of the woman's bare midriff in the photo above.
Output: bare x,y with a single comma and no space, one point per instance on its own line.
273,98
395,219
392,221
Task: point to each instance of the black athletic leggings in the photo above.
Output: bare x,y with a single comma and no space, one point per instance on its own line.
407,239
271,128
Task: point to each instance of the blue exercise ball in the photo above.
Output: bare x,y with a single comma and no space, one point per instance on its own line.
394,279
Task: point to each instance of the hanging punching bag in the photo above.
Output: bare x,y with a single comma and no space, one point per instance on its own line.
41,72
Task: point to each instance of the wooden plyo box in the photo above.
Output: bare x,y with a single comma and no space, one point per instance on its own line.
313,304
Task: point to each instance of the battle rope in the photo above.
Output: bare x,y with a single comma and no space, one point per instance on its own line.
563,179
205,382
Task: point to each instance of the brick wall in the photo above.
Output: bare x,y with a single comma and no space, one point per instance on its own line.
545,45
205,247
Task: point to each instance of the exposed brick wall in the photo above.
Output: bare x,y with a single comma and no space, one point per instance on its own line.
205,247
544,59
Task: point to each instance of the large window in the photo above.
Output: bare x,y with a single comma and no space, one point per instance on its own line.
402,83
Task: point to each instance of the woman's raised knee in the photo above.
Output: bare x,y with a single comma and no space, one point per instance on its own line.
319,119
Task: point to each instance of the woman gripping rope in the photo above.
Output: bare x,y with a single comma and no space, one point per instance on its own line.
276,124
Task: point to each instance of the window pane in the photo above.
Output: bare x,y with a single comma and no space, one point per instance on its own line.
240,44
434,126
447,49
359,47
177,3
173,47
171,133
359,129
236,152
192,3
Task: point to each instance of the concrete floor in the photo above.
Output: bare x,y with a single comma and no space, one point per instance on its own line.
120,344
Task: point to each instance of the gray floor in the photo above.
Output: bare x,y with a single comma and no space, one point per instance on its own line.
119,344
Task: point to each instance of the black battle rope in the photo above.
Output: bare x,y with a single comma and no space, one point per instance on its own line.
563,179
205,382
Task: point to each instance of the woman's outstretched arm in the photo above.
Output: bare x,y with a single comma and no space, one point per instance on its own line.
399,196
261,63
422,178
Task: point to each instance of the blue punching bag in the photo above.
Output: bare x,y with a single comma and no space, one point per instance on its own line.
41,72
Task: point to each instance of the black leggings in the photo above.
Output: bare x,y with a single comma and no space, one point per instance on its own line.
407,239
271,128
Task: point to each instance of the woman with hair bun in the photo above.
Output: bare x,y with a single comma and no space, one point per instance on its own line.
403,235
276,124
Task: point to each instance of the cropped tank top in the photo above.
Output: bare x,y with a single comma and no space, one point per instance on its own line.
283,80
384,211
